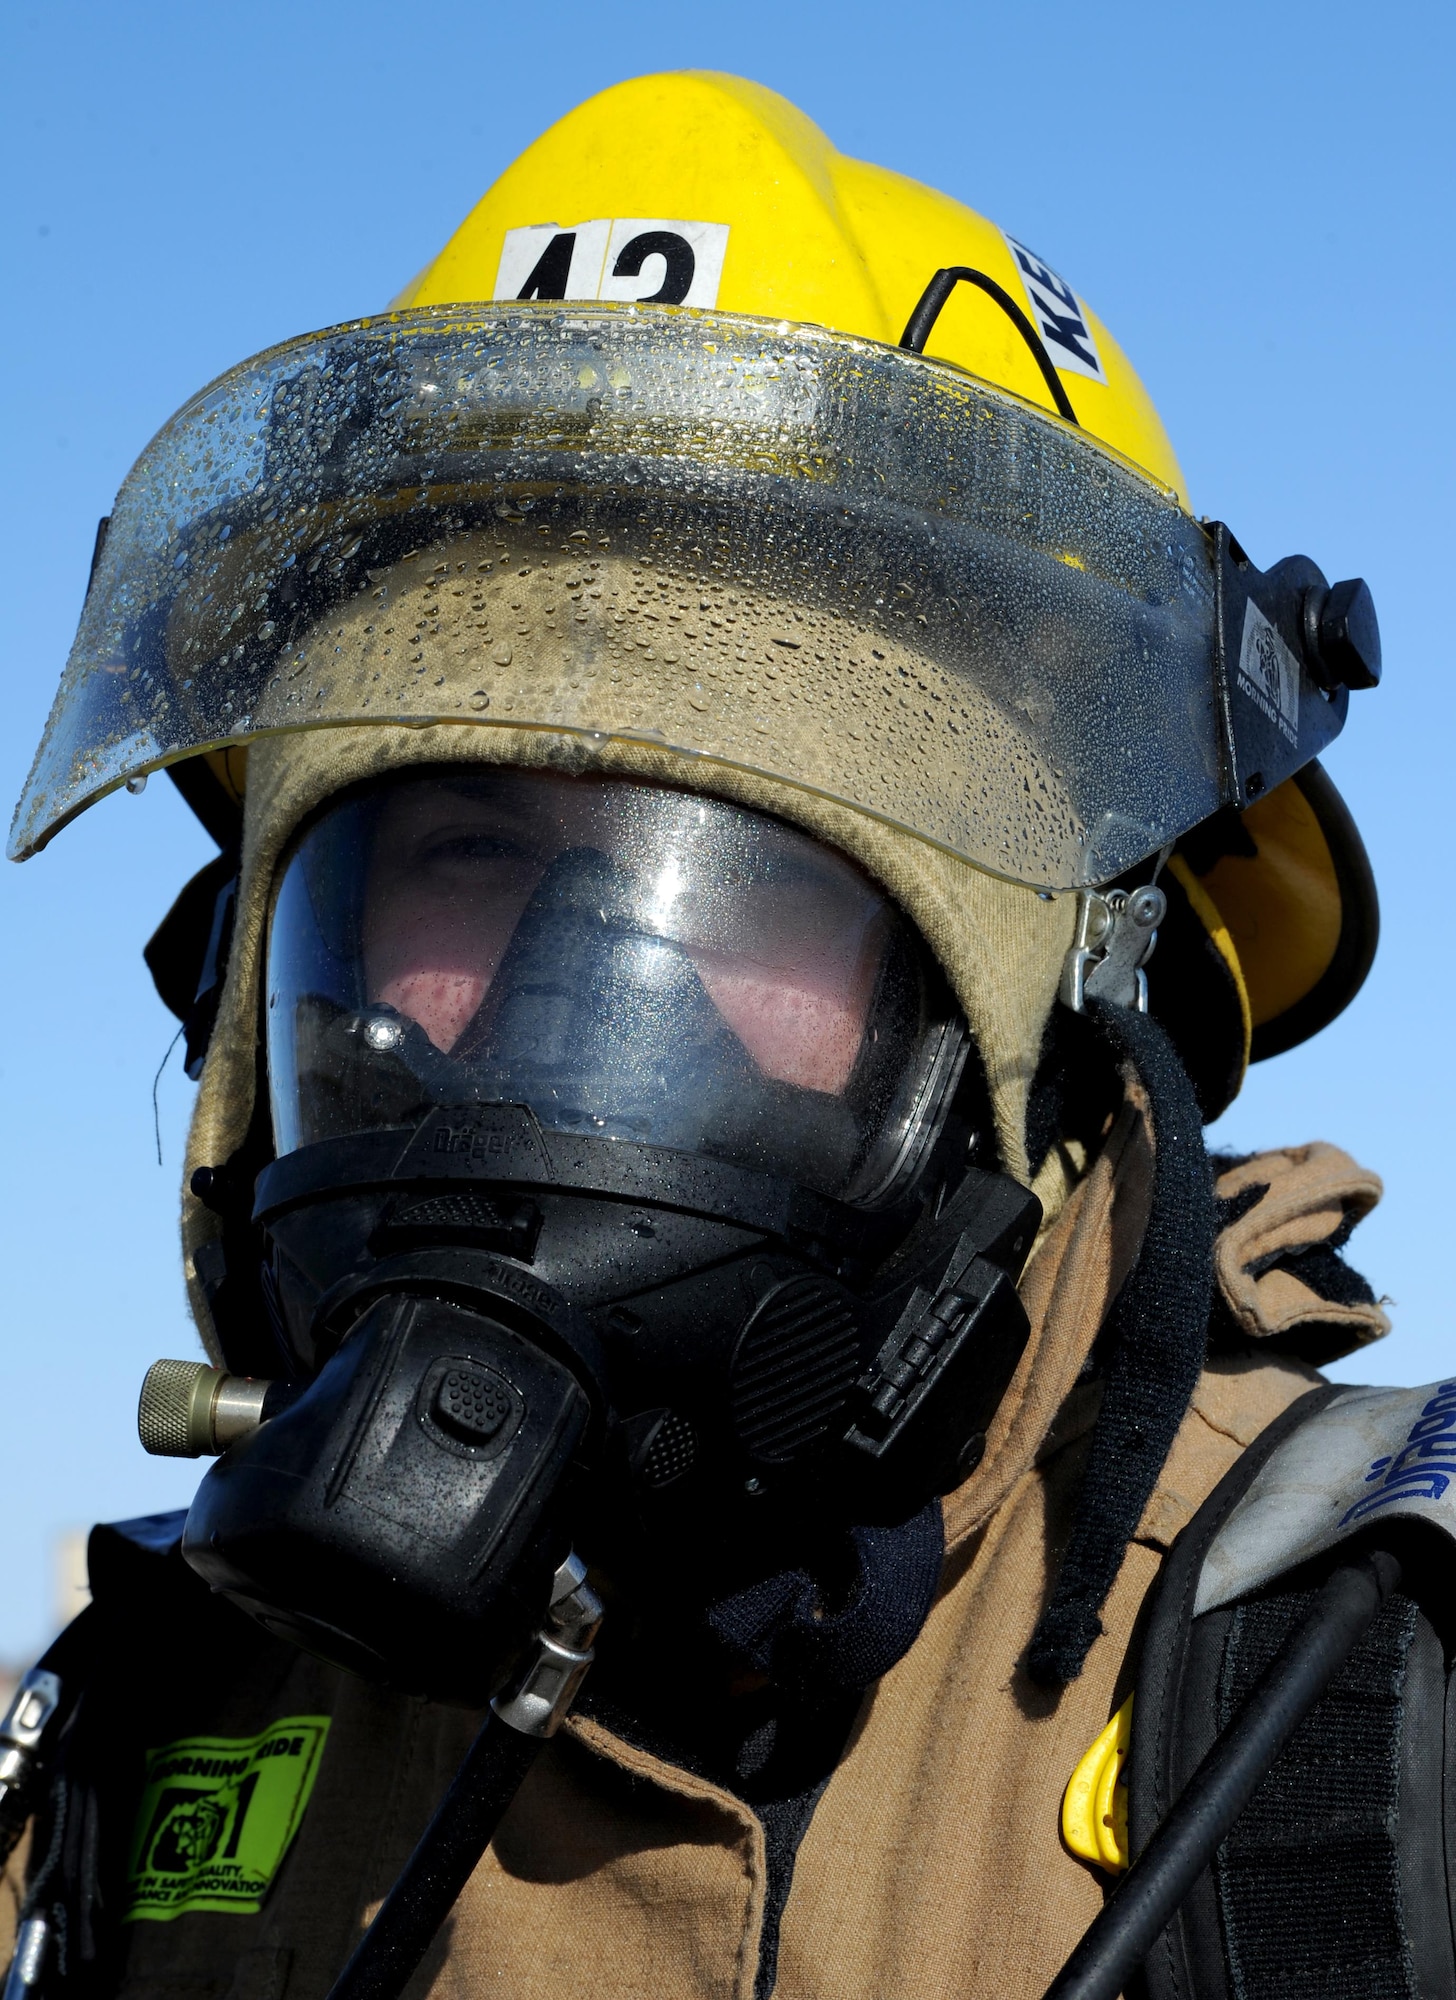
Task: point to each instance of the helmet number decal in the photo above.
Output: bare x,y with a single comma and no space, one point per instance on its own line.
637,260
1060,317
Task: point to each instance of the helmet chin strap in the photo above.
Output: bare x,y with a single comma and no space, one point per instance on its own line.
1154,1344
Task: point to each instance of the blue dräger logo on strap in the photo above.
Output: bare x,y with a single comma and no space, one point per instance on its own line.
217,1816
1367,1454
1424,1466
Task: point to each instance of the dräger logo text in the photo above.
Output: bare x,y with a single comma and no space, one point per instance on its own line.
1424,1466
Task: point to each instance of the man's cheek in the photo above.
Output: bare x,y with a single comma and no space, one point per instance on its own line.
442,1003
433,963
795,1034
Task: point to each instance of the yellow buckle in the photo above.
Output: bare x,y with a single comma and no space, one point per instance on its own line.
1094,1805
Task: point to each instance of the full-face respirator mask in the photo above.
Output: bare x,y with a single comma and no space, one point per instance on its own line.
621,1197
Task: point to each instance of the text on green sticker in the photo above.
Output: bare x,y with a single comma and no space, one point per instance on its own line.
217,1815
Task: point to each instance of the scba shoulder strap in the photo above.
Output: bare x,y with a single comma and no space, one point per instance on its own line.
1337,1879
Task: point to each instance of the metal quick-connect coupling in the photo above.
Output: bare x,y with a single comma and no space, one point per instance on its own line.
188,1410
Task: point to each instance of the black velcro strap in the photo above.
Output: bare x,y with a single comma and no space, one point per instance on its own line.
1309,1881
1155,1345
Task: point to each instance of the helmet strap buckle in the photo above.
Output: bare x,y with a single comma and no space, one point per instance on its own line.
1116,932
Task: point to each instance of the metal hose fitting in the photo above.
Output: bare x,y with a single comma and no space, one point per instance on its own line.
188,1410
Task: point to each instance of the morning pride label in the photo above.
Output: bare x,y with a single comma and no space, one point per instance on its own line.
217,1816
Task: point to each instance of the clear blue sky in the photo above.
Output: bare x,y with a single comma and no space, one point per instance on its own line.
1256,199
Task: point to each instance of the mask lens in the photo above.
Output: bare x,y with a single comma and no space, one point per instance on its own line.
624,959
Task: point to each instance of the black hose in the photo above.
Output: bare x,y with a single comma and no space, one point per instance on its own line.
1120,1938
444,1859
932,301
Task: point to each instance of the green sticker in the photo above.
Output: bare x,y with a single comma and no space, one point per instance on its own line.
217,1815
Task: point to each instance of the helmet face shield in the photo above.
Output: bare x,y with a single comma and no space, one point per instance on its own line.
804,555
627,961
